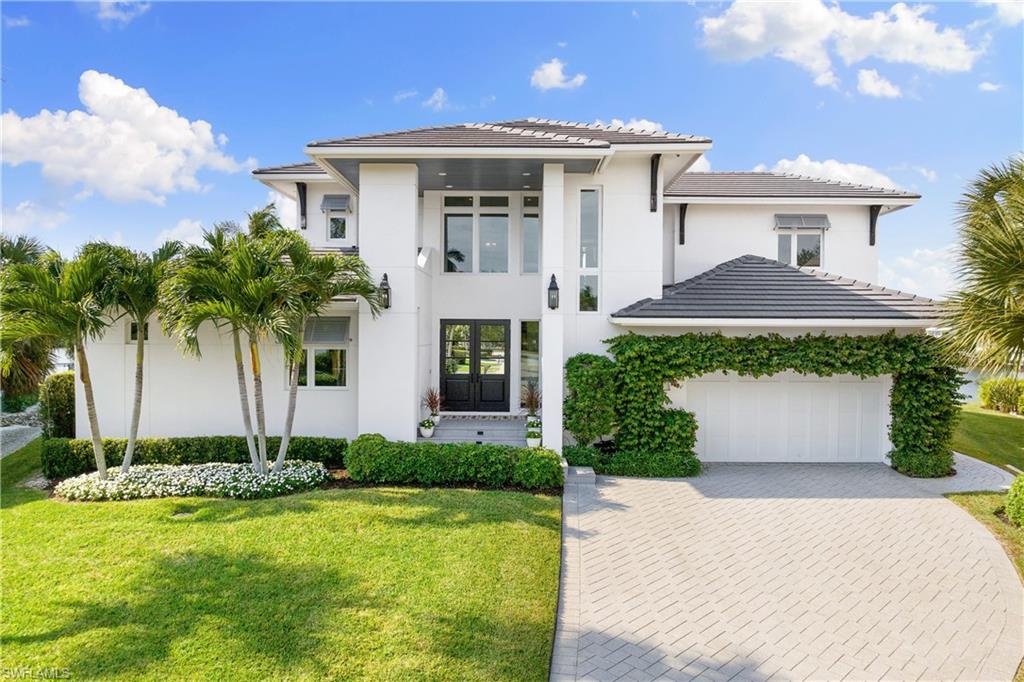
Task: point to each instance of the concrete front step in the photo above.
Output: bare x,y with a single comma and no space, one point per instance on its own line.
519,443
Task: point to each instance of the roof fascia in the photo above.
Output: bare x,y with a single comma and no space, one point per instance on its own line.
889,204
663,147
785,322
323,153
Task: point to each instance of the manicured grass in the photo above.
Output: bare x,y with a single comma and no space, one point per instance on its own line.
990,436
371,583
987,508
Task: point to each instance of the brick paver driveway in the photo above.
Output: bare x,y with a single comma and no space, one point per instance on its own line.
781,571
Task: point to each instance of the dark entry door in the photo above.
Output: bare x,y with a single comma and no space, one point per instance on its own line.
474,365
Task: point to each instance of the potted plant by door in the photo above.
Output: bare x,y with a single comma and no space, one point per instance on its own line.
427,428
531,398
432,401
533,439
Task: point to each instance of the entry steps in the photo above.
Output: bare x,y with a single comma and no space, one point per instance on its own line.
503,430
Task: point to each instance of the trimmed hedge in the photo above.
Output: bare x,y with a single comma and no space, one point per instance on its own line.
924,401
1005,395
1015,502
371,458
57,405
632,463
63,458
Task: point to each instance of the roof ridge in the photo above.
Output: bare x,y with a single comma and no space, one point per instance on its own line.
611,128
385,133
541,134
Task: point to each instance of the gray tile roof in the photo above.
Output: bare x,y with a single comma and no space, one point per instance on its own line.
771,185
308,167
756,287
528,132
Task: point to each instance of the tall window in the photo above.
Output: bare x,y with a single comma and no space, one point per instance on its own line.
531,234
458,242
476,234
529,356
590,249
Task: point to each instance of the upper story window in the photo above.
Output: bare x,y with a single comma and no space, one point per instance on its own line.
801,238
531,234
590,249
339,219
133,331
476,233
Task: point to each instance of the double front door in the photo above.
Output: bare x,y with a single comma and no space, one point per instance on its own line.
475,365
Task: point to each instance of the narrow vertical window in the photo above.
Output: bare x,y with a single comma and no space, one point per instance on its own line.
458,242
590,249
531,234
529,356
494,242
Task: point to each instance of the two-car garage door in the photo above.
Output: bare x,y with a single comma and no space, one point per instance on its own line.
788,417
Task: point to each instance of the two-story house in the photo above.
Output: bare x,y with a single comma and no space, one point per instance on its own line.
509,247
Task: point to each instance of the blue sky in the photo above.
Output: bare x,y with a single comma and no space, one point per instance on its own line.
919,96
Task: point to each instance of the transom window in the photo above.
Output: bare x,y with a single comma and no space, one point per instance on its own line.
476,233
800,238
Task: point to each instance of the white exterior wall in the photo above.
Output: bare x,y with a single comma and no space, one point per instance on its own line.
716,233
316,220
188,396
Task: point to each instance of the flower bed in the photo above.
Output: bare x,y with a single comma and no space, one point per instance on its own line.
194,480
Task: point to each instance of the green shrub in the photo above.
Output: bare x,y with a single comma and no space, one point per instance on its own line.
633,463
1020,404
1015,502
1002,394
589,405
57,405
63,458
373,459
11,404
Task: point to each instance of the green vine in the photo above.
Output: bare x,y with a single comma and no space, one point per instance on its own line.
924,400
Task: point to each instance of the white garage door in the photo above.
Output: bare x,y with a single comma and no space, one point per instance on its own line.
788,418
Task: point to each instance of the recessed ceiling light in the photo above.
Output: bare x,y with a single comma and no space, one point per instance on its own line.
526,187
442,173
526,174
447,186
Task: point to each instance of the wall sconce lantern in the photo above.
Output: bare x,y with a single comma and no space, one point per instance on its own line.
553,294
385,292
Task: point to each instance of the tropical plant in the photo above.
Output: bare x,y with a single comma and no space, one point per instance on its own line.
986,317
432,400
62,303
136,281
531,397
25,363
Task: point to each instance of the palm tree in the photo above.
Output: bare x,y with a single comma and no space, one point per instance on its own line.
314,281
136,282
986,317
62,302
23,364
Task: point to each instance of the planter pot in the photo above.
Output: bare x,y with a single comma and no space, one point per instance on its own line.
425,432
436,418
533,442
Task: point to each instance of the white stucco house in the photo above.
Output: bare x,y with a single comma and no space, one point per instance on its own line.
475,225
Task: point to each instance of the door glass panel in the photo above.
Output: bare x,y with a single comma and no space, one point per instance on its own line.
808,250
493,243
529,355
531,242
456,349
458,243
493,349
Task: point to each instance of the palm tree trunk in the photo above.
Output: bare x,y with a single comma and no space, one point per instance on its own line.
261,416
133,433
90,403
243,396
289,419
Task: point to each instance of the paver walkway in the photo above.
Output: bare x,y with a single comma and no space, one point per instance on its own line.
784,571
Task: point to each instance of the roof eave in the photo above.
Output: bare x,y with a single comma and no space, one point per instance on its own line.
386,153
892,203
780,322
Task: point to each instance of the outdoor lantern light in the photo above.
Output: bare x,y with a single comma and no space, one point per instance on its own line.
553,294
385,292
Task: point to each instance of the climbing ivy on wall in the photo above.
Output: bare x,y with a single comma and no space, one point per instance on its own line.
924,400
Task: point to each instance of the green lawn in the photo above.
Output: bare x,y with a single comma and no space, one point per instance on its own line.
992,436
376,583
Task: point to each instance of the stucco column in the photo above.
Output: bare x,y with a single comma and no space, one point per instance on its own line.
552,323
388,355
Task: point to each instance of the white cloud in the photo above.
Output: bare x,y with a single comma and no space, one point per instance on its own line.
701,165
438,101
926,272
870,82
287,209
804,32
1007,12
188,231
551,75
562,44
124,145
830,169
641,124
17,22
31,217
123,13
986,86
403,95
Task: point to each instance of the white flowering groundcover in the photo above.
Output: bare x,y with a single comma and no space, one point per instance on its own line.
194,480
